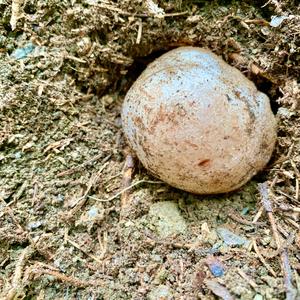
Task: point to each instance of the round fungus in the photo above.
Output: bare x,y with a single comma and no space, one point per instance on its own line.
197,123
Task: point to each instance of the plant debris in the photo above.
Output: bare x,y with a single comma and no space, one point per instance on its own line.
74,218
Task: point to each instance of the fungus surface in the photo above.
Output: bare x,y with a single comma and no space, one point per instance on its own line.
197,123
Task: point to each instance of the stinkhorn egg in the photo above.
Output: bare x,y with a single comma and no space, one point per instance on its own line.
197,123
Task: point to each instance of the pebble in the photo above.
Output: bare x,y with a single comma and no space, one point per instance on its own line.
162,292
21,53
232,239
167,219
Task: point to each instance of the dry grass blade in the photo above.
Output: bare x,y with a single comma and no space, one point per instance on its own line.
15,13
126,189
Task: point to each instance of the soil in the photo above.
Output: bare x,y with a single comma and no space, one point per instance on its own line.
65,233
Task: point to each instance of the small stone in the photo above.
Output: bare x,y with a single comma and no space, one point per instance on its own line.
162,292
157,258
266,240
285,112
18,155
94,215
34,225
93,212
231,239
22,53
245,211
215,266
167,218
60,198
277,20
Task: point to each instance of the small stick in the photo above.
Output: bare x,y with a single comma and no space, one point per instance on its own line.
289,208
241,220
82,250
263,189
140,30
261,258
102,244
218,289
127,179
71,57
285,266
288,196
35,190
292,222
93,159
258,215
69,279
250,281
11,214
287,274
15,13
81,200
16,284
297,189
295,168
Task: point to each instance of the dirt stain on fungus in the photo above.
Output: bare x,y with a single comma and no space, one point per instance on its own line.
139,122
163,116
191,144
204,163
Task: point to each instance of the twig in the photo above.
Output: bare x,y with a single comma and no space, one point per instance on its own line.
140,30
261,258
35,190
289,208
83,165
71,57
81,201
20,191
263,189
102,243
258,214
250,281
288,277
15,13
82,250
218,289
16,284
127,178
297,189
241,220
292,222
285,266
11,214
288,196
68,279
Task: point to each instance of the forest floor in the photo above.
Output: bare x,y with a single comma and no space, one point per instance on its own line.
65,67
